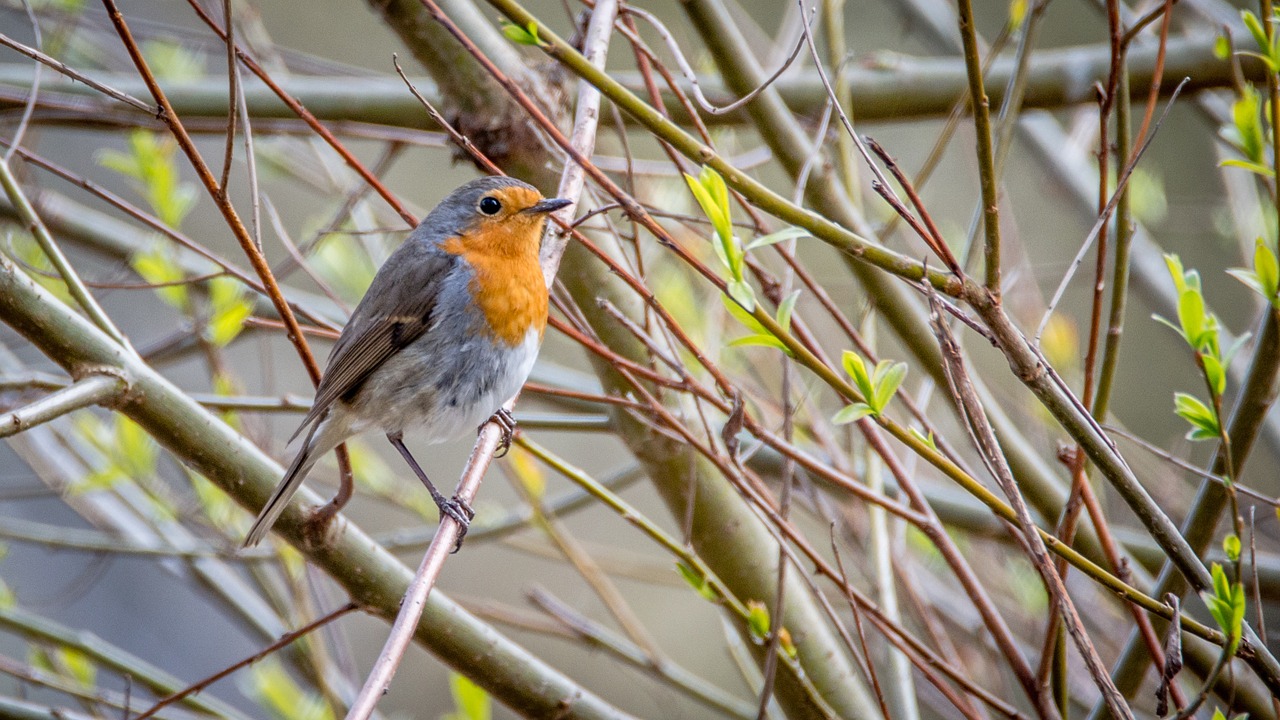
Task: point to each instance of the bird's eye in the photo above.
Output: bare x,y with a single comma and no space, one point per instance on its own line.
490,205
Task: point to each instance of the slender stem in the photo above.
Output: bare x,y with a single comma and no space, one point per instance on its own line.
37,228
986,163
256,258
81,394
833,24
287,639
571,185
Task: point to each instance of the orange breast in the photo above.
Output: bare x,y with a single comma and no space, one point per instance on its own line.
508,288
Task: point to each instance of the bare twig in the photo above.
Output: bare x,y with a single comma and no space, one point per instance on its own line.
406,622
1105,215
284,640
687,70
989,448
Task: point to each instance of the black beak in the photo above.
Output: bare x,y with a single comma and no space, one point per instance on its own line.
548,205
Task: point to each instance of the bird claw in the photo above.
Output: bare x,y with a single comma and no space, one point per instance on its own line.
507,424
460,512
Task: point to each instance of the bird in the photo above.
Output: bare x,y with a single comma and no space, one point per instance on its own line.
446,333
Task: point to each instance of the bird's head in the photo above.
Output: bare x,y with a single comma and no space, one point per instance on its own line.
494,214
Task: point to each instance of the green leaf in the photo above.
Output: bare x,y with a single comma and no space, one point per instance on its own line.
747,319
152,166
852,413
785,309
1254,25
1221,47
1169,324
522,35
758,620
760,340
1267,268
472,701
719,193
718,247
1226,604
1253,167
777,237
230,307
1249,278
699,583
705,201
1174,264
1256,29
1264,279
136,452
743,294
1204,424
856,368
38,658
275,689
156,266
1192,316
173,61
340,261
76,665
1214,373
1247,122
887,378
1231,546
926,439
713,197
1017,13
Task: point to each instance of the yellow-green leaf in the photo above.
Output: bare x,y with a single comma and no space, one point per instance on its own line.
758,620
472,701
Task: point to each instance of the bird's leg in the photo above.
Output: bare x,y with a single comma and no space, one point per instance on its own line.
453,507
507,424
346,485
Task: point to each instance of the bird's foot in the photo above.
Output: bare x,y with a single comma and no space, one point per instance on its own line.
461,513
507,424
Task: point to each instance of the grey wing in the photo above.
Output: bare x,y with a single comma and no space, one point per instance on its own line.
397,309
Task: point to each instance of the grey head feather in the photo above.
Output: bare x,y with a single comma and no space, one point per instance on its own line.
458,210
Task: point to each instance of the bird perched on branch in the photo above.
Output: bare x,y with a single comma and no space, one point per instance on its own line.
446,333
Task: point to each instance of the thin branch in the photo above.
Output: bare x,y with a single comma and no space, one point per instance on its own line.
1101,223
44,238
692,77
70,72
993,457
406,623
92,390
284,640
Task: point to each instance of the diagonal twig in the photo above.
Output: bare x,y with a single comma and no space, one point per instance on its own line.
406,623
993,457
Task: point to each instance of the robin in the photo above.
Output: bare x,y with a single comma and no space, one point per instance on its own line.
446,333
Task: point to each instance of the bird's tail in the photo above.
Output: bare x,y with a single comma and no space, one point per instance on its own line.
320,439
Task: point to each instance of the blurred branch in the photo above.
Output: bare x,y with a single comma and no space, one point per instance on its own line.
888,86
781,129
110,656
373,577
18,200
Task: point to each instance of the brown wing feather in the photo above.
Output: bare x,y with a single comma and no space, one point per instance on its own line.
396,310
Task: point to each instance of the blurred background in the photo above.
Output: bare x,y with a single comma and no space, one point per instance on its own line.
82,499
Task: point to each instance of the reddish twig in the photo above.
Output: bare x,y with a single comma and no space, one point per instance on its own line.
284,640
